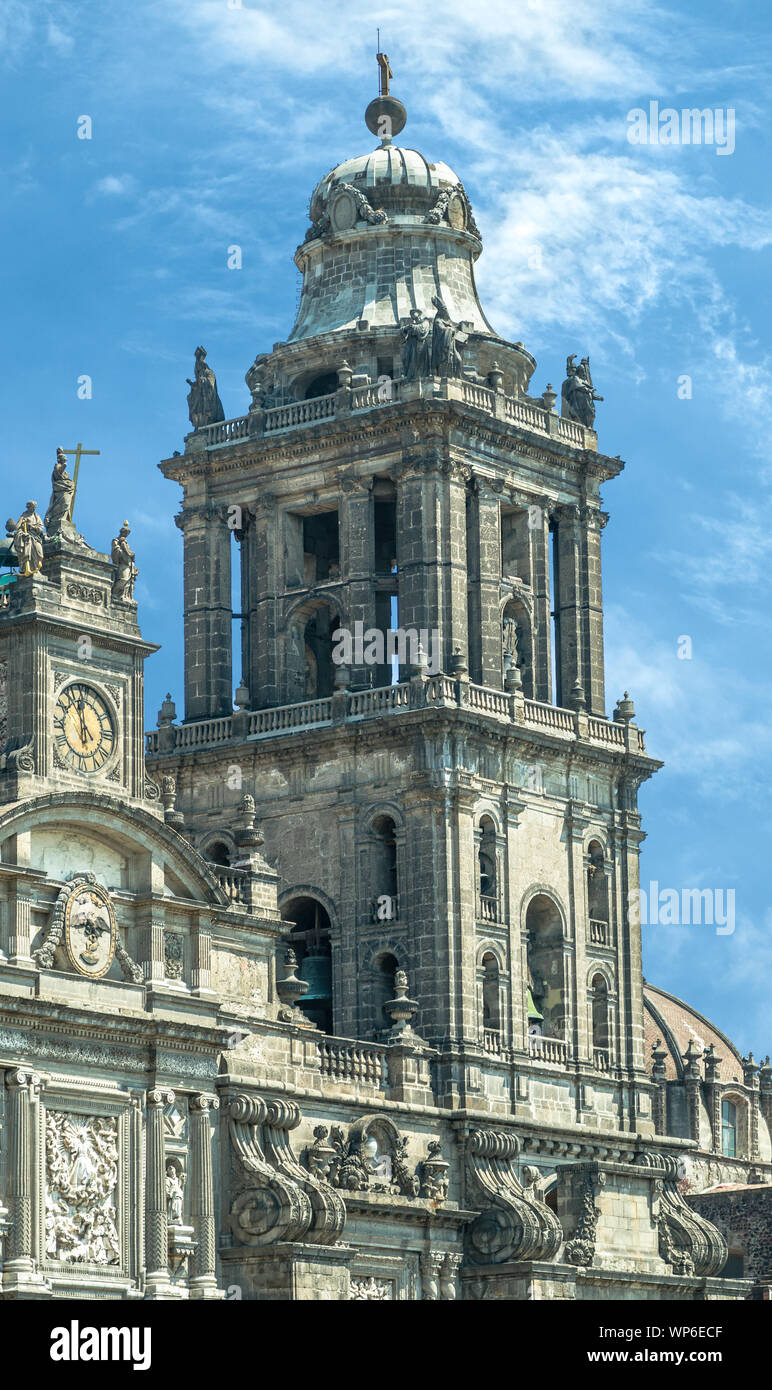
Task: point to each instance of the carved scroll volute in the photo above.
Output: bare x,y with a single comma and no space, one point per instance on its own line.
328,1207
687,1241
512,1225
269,1206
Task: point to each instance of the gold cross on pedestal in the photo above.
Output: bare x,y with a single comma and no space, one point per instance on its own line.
78,451
385,73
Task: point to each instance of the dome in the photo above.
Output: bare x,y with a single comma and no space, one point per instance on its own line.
387,167
678,1024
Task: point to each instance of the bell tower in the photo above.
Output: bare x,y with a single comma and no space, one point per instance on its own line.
421,715
72,670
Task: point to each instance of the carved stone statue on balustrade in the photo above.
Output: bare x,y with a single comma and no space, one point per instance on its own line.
62,489
578,393
204,404
126,571
446,358
28,533
416,349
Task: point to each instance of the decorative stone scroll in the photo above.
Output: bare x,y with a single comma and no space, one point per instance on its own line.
81,1179
278,1199
513,1224
580,1250
689,1243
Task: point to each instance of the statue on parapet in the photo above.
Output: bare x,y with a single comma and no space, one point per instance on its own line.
446,358
204,404
27,535
126,571
416,346
62,490
578,393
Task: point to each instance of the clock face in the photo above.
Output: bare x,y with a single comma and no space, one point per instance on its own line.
84,731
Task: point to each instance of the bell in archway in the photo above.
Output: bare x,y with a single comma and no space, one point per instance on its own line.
316,970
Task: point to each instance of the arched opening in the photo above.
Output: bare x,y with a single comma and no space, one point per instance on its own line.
600,1019
323,385
384,869
728,1129
546,971
386,967
491,995
219,853
516,645
310,938
310,673
487,877
597,895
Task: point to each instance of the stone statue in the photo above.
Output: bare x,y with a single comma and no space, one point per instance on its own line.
446,358
509,637
175,1187
62,489
126,571
579,394
416,351
28,533
204,404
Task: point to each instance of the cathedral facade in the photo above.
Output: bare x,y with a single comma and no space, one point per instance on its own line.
333,990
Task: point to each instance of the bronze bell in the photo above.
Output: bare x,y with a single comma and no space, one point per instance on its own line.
316,970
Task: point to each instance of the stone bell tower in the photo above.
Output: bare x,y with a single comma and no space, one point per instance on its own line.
459,807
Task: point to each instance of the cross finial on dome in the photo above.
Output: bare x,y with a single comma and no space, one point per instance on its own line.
385,116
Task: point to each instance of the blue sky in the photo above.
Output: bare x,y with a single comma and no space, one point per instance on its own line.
212,121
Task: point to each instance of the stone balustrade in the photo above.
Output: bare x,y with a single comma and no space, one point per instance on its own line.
343,1060
299,414
599,933
232,881
404,696
552,1050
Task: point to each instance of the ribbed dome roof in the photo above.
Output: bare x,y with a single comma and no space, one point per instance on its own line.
385,167
678,1024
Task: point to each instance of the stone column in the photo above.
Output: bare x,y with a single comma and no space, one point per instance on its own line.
265,582
201,974
567,602
538,526
156,1222
204,1281
22,1087
357,561
751,1082
208,612
485,640
593,678
19,926
627,843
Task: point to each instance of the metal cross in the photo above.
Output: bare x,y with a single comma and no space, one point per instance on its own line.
385,73
78,451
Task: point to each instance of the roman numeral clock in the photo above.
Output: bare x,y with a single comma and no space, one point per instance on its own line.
85,730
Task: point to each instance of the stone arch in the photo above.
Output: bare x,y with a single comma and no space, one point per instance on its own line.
310,935
545,935
489,857
514,610
218,847
309,670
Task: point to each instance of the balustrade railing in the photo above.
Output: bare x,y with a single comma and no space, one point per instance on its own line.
342,1060
553,1050
232,881
489,909
285,417
600,1059
405,695
600,932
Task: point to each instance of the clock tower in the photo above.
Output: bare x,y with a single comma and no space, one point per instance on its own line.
71,679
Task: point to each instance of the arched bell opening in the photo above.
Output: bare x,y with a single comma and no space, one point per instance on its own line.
310,940
546,967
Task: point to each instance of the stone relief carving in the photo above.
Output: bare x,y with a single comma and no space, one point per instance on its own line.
275,1197
434,1173
373,1290
372,1157
83,923
87,594
514,1224
81,1179
580,1250
173,956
